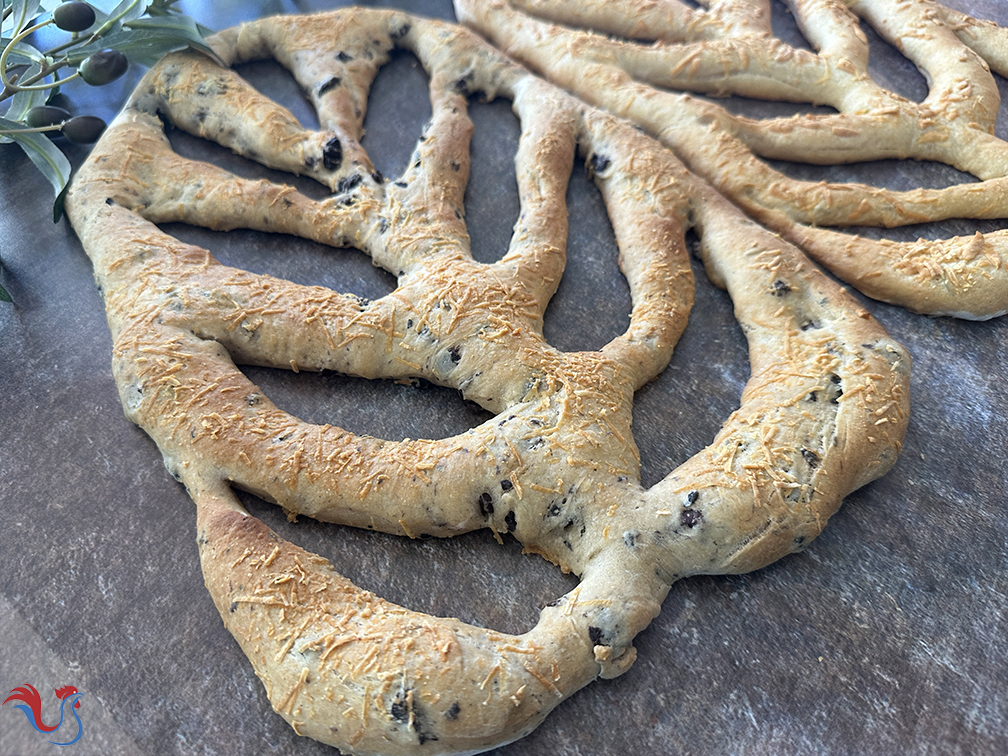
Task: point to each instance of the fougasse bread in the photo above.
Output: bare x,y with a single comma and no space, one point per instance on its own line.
824,411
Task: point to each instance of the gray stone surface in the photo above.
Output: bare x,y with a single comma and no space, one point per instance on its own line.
887,636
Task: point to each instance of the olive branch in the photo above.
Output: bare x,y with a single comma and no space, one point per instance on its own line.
100,47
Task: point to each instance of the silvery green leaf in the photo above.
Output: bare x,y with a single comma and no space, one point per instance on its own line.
180,27
25,99
57,208
43,153
22,52
125,11
4,294
23,12
147,40
22,101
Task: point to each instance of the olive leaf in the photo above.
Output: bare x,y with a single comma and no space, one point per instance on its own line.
26,98
146,40
162,8
4,294
43,153
125,11
22,12
20,104
21,53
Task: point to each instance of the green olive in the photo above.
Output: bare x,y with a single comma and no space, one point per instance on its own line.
83,129
103,67
45,115
74,16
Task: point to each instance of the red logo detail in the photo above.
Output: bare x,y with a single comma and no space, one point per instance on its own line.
30,696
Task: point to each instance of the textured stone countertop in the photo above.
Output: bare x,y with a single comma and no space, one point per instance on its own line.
888,635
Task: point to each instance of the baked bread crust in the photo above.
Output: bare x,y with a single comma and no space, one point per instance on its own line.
662,51
823,413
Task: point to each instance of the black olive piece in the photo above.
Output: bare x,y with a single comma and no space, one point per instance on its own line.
74,16
334,82
811,458
400,710
599,163
45,115
511,521
348,183
486,504
506,485
690,518
83,129
332,154
780,288
103,67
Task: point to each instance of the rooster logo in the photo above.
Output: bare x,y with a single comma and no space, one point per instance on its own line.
32,707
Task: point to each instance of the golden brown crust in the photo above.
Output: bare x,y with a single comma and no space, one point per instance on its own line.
824,412
730,48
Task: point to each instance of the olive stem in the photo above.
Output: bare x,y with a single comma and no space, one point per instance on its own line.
45,72
60,48
51,85
10,46
35,130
